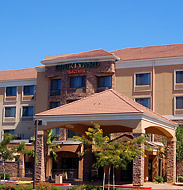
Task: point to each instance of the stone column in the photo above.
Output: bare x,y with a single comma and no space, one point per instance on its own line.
171,160
40,164
138,167
87,163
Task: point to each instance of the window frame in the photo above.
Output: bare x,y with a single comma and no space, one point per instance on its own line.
27,116
54,107
55,92
143,97
175,82
10,116
149,87
105,76
83,76
28,94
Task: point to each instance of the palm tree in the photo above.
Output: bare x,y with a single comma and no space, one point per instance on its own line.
50,153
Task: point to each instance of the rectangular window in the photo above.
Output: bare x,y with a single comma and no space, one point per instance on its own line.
11,91
71,134
9,131
10,112
29,90
54,104
77,82
179,76
55,132
28,111
105,81
55,87
143,79
179,102
144,101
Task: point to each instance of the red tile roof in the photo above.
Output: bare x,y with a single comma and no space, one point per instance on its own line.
106,102
18,74
150,52
86,54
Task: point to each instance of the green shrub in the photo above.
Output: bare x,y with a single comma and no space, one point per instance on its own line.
87,187
7,176
180,178
159,179
44,186
54,187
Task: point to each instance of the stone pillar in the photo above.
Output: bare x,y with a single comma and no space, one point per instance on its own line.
40,164
87,163
171,160
138,167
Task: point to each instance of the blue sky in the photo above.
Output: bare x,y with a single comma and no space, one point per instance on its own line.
32,29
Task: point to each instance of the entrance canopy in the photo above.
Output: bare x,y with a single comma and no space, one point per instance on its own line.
112,110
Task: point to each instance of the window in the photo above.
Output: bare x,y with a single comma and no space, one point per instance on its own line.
71,134
143,79
179,102
10,111
54,104
28,111
179,76
77,82
55,132
144,101
55,87
29,90
11,91
9,131
105,81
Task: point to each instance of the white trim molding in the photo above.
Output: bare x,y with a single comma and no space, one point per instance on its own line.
121,64
22,82
84,59
107,117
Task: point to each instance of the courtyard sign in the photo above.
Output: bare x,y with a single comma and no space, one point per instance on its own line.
80,65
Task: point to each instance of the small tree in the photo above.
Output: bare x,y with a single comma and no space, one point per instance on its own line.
111,153
51,146
10,153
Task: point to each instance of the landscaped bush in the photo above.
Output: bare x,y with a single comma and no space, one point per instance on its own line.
87,187
180,178
7,176
44,186
159,179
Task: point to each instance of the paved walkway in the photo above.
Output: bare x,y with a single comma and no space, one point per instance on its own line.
147,184
161,186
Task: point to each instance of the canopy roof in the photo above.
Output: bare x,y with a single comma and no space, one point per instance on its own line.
106,102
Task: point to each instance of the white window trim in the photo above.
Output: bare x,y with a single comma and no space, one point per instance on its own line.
21,115
28,95
142,85
150,97
9,96
9,117
175,104
175,80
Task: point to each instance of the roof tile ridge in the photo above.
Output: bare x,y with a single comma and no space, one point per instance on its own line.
148,109
17,69
119,95
72,54
146,47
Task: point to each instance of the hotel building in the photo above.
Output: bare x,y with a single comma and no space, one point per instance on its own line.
151,76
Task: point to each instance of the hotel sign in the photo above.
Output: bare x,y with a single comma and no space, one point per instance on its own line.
75,66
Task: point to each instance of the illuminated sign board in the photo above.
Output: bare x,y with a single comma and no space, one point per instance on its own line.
80,65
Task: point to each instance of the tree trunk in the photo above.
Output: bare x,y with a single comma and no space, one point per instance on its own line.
104,180
113,178
109,174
